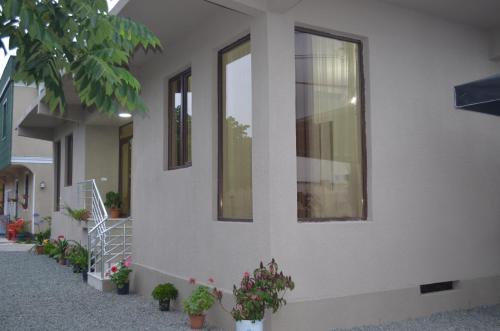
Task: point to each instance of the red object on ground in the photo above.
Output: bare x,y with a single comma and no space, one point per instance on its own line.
14,228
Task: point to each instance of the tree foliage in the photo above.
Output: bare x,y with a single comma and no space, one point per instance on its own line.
78,39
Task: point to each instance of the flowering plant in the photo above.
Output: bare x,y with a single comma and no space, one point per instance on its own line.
264,289
120,272
201,299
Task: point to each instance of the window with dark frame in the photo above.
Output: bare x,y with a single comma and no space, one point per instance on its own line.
180,114
330,127
3,125
69,160
57,175
26,190
235,132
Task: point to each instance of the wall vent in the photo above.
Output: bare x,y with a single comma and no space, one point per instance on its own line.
438,287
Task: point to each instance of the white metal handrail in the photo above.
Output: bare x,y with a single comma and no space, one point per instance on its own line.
109,240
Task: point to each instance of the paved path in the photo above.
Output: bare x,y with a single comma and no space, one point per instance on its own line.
38,294
11,246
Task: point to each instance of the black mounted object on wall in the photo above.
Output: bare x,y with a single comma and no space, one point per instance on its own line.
482,96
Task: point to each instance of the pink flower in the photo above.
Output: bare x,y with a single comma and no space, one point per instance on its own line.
211,280
61,237
246,275
192,281
114,268
127,262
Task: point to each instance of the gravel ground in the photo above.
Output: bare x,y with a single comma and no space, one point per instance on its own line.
38,294
485,318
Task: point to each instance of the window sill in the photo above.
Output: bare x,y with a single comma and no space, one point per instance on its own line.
333,220
235,220
180,167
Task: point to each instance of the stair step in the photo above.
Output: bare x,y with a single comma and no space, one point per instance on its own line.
99,283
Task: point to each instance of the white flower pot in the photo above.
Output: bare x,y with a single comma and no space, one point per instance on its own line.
249,326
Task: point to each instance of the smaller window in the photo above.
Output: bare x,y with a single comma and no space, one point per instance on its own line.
180,112
3,125
69,160
26,191
57,174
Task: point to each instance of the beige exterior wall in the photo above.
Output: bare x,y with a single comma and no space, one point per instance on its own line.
95,156
432,170
102,157
24,97
176,232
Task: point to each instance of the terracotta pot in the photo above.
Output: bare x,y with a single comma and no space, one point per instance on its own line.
123,290
86,216
197,321
39,250
115,212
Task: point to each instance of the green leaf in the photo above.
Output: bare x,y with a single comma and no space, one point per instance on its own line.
79,39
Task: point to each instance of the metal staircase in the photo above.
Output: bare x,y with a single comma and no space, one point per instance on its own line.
109,240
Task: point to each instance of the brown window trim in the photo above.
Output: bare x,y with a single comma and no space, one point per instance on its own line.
57,174
183,77
68,171
219,131
362,83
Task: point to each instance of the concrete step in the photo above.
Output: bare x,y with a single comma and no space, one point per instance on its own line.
101,284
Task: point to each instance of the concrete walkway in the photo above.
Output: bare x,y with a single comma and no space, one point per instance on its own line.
38,294
11,246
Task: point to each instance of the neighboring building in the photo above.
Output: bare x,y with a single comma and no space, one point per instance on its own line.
25,163
319,132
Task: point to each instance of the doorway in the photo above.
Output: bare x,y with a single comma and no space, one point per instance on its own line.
125,167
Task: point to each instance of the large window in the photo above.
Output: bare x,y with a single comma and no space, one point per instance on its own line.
330,127
180,112
69,160
235,132
57,175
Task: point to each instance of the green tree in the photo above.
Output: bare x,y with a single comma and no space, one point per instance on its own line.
80,40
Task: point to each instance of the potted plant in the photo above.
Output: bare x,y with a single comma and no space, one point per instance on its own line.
119,276
81,261
40,239
83,264
264,289
164,293
114,203
61,247
77,214
49,248
39,243
197,304
78,257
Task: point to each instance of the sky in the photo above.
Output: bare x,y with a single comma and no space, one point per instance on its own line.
4,58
